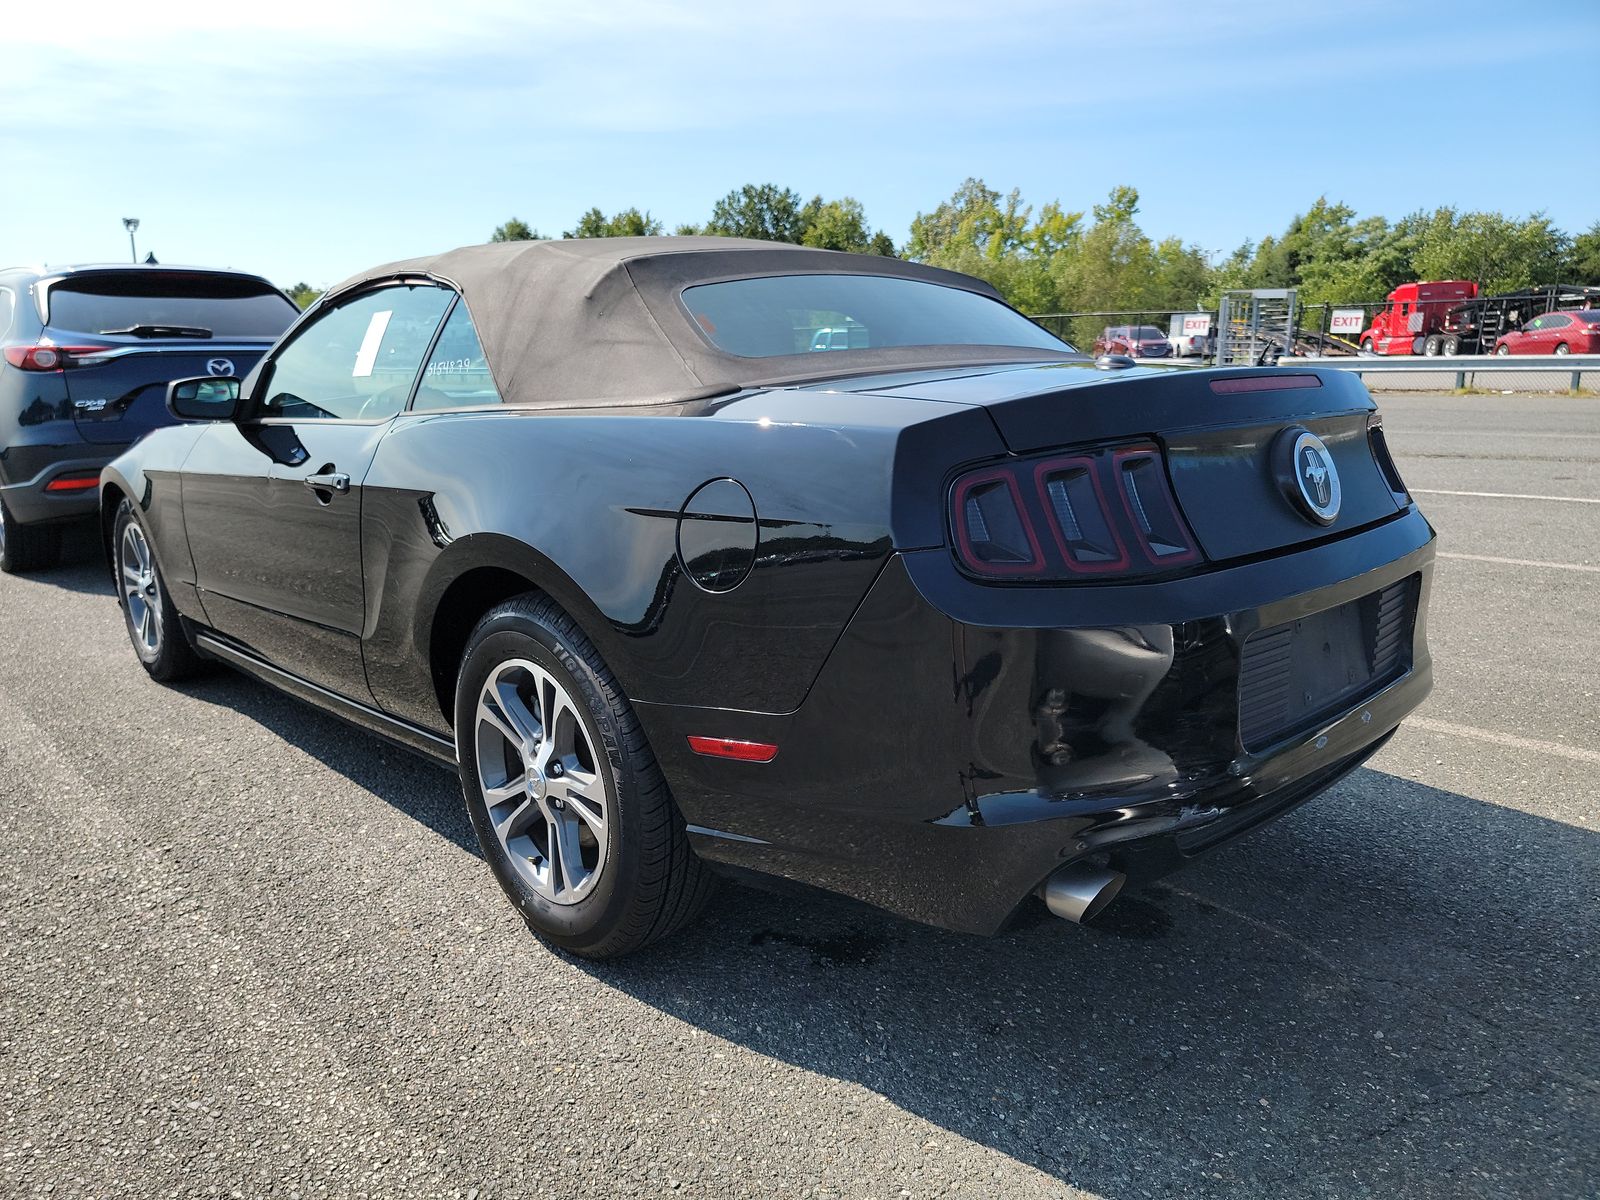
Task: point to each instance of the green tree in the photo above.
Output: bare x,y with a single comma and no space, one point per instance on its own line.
965,222
842,225
1180,276
835,225
980,232
515,230
881,243
1320,240
1583,260
1113,266
629,223
688,230
304,294
1354,260
1233,272
1494,251
758,211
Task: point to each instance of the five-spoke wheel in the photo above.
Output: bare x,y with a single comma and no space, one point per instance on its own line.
536,769
569,804
154,626
140,593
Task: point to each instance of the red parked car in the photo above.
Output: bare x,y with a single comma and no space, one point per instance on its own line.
1572,331
1139,341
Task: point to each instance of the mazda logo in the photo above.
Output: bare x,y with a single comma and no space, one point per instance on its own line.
1307,474
219,366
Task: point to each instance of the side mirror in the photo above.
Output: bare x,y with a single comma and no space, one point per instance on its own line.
204,398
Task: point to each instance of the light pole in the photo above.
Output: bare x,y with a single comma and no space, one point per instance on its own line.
131,224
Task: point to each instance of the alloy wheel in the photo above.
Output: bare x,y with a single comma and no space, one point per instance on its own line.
541,784
141,591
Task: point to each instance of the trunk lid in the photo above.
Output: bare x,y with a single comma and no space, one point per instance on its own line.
120,395
1221,432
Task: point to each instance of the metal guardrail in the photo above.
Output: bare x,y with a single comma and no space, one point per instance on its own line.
1523,372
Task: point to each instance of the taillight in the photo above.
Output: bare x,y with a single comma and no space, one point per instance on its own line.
46,357
992,529
74,481
1079,517
1161,531
1092,514
1385,460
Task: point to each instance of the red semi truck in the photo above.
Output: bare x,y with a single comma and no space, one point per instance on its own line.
1451,318
1415,310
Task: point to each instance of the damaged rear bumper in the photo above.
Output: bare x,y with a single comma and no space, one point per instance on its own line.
963,742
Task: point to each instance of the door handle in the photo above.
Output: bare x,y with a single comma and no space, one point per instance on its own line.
328,481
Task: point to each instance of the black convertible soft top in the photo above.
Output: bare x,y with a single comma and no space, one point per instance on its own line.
597,321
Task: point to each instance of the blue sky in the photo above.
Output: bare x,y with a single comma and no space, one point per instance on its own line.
309,140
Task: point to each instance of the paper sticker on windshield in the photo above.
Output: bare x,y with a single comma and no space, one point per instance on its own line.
368,354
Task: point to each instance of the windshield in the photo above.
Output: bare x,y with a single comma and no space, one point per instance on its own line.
1589,316
803,314
1149,333
222,305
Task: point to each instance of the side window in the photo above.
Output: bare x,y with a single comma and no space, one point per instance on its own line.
456,374
356,362
1557,321
1534,325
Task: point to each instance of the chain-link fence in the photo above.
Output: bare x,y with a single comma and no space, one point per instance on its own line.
1095,332
1341,330
1426,326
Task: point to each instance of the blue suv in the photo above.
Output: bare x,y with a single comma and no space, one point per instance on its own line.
88,352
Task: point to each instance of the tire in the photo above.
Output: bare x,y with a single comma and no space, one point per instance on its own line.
1502,350
1563,348
1430,348
1366,346
1450,347
630,877
26,548
154,626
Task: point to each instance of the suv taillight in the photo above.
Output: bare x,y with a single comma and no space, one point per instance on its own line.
1103,513
47,357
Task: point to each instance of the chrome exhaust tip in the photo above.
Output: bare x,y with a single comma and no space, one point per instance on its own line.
1080,892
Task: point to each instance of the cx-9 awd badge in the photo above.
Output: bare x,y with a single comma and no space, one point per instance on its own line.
1306,474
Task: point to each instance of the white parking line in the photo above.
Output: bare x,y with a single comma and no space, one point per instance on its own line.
1522,562
1503,495
1576,753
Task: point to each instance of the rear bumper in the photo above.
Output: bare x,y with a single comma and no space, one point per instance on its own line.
30,504
946,761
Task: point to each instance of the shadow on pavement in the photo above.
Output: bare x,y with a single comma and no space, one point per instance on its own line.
83,565
417,786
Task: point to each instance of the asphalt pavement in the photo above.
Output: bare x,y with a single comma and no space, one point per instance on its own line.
247,951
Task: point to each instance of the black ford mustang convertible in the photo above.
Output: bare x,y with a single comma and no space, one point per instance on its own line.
702,555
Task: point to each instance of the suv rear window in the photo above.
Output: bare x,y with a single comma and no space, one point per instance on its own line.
227,305
782,315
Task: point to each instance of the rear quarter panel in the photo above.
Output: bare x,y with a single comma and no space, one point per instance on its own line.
586,506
